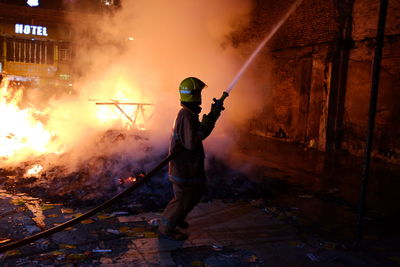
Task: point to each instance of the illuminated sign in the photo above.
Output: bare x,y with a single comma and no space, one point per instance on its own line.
31,29
32,3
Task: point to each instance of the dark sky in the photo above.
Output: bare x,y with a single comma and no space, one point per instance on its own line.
53,4
86,5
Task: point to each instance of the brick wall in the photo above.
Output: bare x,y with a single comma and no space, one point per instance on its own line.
299,55
310,38
313,22
386,141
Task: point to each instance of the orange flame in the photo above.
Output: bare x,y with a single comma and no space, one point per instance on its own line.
34,170
23,134
21,131
132,115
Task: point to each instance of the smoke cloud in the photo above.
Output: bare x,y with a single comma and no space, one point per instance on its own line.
140,54
147,47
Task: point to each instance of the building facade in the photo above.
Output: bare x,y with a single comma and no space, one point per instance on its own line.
35,46
319,67
37,39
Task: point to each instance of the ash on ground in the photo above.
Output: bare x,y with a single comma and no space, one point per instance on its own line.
103,175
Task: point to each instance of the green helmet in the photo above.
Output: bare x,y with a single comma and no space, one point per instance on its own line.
190,90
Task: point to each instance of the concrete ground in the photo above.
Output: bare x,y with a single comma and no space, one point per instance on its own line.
221,234
307,220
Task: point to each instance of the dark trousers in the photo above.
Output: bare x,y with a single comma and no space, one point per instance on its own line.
186,197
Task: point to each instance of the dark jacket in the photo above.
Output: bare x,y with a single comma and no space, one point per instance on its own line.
188,166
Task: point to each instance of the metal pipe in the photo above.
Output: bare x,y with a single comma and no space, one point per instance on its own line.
376,66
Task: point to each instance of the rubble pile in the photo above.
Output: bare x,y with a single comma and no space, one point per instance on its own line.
103,175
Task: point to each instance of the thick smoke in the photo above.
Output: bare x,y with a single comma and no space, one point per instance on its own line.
145,49
140,53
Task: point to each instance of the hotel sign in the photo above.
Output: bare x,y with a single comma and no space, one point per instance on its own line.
31,30
32,3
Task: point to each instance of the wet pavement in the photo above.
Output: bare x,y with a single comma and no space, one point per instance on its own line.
221,234
323,189
304,215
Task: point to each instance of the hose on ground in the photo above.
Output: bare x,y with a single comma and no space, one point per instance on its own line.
91,212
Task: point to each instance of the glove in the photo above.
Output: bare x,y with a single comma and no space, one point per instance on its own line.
216,108
208,122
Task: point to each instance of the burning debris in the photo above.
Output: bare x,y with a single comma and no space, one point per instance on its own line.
34,171
94,178
23,131
37,160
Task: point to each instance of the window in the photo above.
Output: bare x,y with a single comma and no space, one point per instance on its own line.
64,53
30,51
108,2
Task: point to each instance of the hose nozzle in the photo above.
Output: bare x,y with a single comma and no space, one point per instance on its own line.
222,98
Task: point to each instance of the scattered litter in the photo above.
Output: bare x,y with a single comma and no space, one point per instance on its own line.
128,180
77,257
17,202
101,250
124,229
113,231
305,196
65,210
4,240
56,253
137,232
12,253
313,257
217,247
154,222
119,213
47,206
150,235
87,221
66,246
21,209
60,257
103,217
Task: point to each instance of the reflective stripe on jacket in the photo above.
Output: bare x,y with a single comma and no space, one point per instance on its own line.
188,166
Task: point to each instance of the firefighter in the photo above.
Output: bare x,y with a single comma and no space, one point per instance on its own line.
186,169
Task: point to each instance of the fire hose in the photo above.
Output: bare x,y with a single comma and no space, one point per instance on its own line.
138,182
144,179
